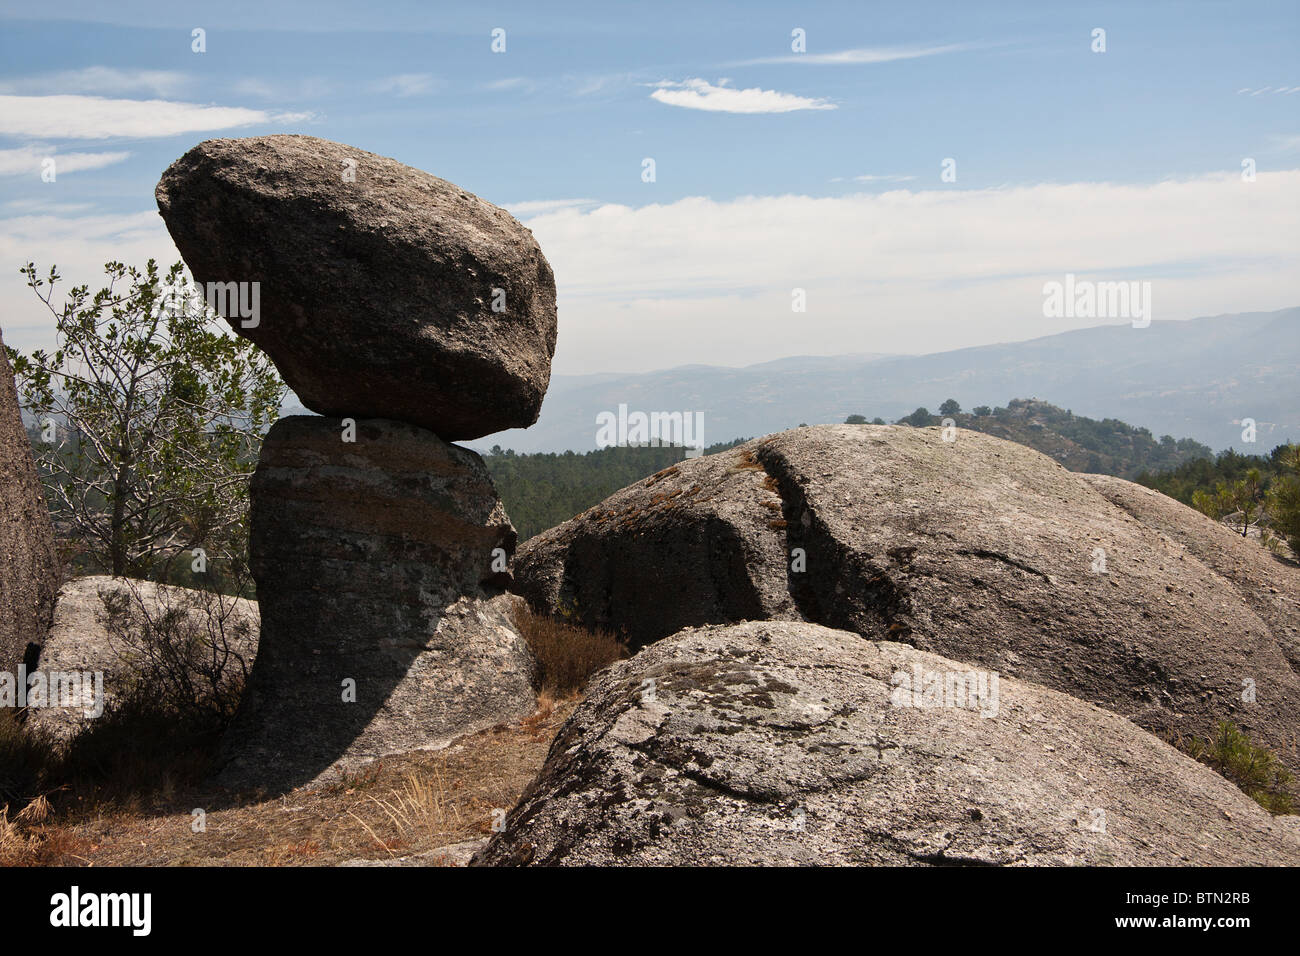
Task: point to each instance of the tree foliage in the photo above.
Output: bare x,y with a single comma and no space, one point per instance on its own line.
149,420
542,490
1253,494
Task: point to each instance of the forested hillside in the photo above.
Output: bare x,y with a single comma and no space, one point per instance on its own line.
1107,446
542,490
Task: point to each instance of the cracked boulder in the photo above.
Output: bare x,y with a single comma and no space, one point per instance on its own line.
978,549
382,291
781,743
384,627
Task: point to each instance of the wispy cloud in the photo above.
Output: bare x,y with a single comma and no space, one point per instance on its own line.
27,160
101,80
1246,90
408,84
511,83
30,205
95,117
880,54
542,207
589,85
79,246
696,94
635,281
306,87
875,178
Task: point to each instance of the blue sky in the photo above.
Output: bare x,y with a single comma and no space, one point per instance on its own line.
1122,164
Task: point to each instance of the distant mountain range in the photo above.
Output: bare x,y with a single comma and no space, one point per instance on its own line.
1193,379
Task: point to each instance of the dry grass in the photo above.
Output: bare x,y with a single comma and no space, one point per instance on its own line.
412,803
124,791
567,653
32,839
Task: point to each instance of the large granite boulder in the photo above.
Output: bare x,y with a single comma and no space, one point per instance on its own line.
383,291
978,549
778,743
384,625
29,571
697,543
89,637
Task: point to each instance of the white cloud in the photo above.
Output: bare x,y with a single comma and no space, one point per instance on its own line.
863,55
589,85
882,178
408,84
95,117
699,94
511,83
903,271
297,88
79,246
47,206
27,160
101,80
539,207
698,280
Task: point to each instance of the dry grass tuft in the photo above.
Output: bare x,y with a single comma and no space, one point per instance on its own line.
29,839
567,653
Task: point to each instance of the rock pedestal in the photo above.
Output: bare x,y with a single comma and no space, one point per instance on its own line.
384,626
29,576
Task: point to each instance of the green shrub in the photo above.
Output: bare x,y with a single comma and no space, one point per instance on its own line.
1254,769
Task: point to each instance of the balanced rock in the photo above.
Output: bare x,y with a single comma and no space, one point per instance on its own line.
380,290
777,743
978,549
378,551
29,572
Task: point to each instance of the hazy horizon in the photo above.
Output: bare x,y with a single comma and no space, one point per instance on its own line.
827,181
